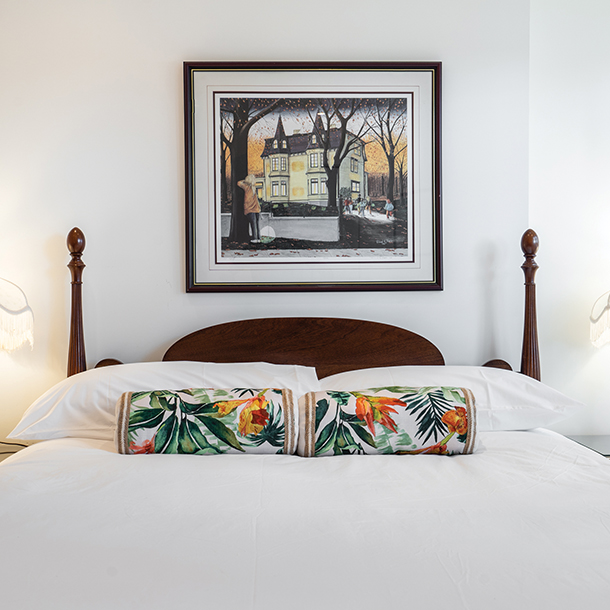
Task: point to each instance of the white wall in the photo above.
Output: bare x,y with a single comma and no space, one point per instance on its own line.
91,135
570,195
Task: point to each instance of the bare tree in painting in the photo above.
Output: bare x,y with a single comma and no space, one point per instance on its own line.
238,117
388,123
402,169
337,142
224,187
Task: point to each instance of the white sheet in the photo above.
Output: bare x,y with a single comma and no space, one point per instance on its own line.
525,525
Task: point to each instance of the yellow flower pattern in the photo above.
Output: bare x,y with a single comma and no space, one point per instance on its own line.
254,417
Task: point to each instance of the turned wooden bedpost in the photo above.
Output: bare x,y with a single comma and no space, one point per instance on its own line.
76,349
530,357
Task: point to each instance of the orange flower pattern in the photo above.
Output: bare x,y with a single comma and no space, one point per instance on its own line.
254,417
227,406
147,446
377,408
438,449
401,420
456,420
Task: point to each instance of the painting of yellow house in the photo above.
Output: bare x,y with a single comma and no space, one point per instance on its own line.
294,172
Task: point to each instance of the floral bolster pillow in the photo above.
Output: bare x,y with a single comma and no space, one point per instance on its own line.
206,421
403,420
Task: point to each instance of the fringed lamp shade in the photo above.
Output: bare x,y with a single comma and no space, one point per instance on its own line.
600,321
16,318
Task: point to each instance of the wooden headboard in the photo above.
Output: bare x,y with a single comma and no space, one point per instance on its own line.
332,345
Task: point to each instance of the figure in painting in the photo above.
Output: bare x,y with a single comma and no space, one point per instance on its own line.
361,203
367,206
389,209
252,208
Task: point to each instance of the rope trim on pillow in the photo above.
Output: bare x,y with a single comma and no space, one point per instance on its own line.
291,427
123,407
472,420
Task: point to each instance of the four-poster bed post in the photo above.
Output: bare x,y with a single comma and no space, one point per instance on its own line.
76,350
530,357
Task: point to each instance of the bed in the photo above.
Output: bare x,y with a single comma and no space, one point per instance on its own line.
521,521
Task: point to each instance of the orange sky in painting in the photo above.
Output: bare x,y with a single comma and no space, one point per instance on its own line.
255,150
376,163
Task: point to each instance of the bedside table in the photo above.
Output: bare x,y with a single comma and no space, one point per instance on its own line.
597,442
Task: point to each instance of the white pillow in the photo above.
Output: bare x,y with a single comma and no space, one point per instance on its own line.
505,400
84,405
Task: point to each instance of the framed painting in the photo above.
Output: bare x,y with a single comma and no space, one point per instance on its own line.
313,176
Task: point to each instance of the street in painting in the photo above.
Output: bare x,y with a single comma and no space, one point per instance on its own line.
323,177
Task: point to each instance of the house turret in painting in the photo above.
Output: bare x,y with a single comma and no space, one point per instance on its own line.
293,167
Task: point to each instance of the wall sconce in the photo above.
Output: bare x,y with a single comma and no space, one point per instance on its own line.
16,317
600,321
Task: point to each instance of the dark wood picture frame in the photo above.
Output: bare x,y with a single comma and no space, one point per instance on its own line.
417,266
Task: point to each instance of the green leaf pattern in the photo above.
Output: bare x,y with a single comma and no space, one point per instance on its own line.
388,420
398,419
206,421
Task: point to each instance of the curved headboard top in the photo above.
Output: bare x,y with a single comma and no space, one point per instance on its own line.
332,345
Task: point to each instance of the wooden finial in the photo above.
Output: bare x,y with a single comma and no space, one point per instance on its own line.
76,241
530,356
529,243
76,246
76,349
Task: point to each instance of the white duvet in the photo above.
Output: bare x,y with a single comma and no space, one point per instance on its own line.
524,524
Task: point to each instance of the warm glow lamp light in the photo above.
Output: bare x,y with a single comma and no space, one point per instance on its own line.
600,321
16,318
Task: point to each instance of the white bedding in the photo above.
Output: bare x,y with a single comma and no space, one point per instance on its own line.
524,524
